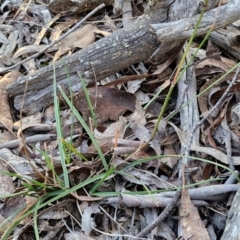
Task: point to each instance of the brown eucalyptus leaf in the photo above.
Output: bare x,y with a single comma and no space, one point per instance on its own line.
107,138
108,103
205,90
213,51
78,39
213,62
229,62
207,150
29,49
192,225
137,123
45,29
217,94
5,114
170,161
59,28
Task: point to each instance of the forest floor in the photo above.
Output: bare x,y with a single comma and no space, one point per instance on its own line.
133,157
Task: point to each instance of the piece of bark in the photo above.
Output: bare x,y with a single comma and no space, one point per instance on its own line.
228,39
189,114
231,231
109,55
80,6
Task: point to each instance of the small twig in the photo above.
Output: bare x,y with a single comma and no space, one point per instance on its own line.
162,216
31,139
57,41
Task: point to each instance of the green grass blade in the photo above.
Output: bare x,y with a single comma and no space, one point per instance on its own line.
90,106
106,175
59,131
73,150
87,129
35,225
50,165
116,194
57,197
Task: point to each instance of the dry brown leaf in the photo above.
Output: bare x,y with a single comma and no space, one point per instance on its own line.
86,198
217,95
142,97
106,139
59,28
108,103
137,123
10,208
191,223
169,161
6,136
229,62
27,122
213,51
203,98
214,126
5,114
45,29
213,62
143,177
28,50
133,86
235,118
207,150
78,39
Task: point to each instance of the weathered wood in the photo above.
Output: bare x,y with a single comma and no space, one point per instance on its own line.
109,55
231,231
184,28
80,6
228,39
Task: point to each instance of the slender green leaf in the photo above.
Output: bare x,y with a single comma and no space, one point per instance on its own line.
87,129
59,131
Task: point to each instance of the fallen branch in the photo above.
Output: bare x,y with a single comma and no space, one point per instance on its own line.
55,42
184,28
207,193
107,56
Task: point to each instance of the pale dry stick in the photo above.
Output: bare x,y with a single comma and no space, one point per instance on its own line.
56,41
198,124
31,139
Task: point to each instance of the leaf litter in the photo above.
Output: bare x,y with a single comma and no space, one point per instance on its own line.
145,169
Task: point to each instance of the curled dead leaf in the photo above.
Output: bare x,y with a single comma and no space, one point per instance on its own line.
5,114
